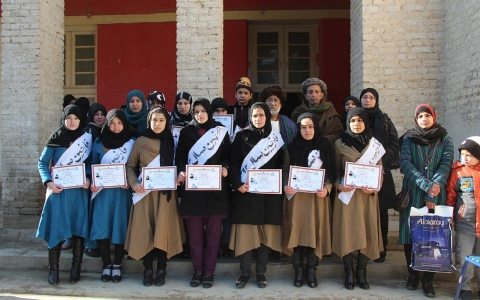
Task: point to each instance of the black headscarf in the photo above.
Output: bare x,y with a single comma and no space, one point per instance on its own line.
91,113
110,139
84,106
299,149
359,141
265,130
343,117
166,141
182,120
219,103
210,123
375,111
67,99
63,137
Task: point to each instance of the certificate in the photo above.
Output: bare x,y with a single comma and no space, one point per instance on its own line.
68,177
208,178
264,181
306,180
161,178
109,175
227,121
360,175
176,134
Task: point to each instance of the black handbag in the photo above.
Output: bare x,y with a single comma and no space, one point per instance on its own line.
402,199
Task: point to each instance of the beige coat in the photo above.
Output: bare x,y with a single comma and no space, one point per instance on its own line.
246,237
306,220
154,222
356,226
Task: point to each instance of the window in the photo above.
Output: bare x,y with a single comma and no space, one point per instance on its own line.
281,55
80,64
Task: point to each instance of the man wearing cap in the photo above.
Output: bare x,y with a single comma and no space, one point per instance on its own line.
240,110
329,122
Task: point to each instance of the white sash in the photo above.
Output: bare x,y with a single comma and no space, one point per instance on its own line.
77,152
116,156
237,130
155,163
206,146
371,156
261,153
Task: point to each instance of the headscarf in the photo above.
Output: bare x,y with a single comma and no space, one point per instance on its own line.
361,140
421,136
166,141
91,113
155,96
265,130
110,139
182,120
67,99
375,111
210,123
64,137
138,120
219,103
299,149
84,104
343,117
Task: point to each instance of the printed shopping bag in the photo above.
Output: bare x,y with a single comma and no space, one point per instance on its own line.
432,239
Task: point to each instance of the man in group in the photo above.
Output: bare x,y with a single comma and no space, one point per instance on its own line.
240,110
315,92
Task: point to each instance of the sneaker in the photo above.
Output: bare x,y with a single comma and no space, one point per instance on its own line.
428,289
196,279
207,281
465,295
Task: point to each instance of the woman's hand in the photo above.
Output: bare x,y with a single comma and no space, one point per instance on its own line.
55,188
367,190
138,188
345,188
288,190
243,188
434,190
322,193
430,204
94,189
87,184
181,178
224,172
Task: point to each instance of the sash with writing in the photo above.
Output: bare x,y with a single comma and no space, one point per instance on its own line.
155,163
206,146
371,156
263,151
116,156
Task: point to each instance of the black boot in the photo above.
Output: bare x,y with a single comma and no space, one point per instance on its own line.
427,287
361,273
298,266
412,280
312,263
348,265
77,251
53,259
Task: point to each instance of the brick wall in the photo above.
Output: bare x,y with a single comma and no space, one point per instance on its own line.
461,92
200,47
32,80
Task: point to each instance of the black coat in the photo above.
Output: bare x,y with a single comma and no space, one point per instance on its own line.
250,208
202,203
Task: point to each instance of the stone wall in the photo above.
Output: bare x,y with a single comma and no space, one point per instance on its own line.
200,47
32,80
461,91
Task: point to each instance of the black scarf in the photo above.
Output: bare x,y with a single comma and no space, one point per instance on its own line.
359,141
265,131
210,123
166,141
182,120
299,149
343,117
91,113
425,137
63,137
84,105
375,111
110,139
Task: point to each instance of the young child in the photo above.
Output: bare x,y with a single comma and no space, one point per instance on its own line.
463,192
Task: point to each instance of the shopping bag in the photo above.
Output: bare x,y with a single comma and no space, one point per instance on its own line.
432,239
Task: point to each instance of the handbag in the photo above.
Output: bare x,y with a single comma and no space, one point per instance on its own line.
402,199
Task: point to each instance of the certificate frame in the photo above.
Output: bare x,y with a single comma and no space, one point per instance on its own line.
190,179
148,171
352,170
77,168
318,174
226,120
274,189
98,168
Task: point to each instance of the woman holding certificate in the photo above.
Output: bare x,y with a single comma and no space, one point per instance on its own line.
356,218
154,224
111,206
256,217
204,142
427,180
306,213
65,212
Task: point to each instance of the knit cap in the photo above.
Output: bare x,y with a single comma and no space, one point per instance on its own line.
245,83
472,145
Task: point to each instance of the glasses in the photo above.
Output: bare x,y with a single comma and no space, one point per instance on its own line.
270,101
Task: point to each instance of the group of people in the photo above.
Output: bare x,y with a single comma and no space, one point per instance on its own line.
351,222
